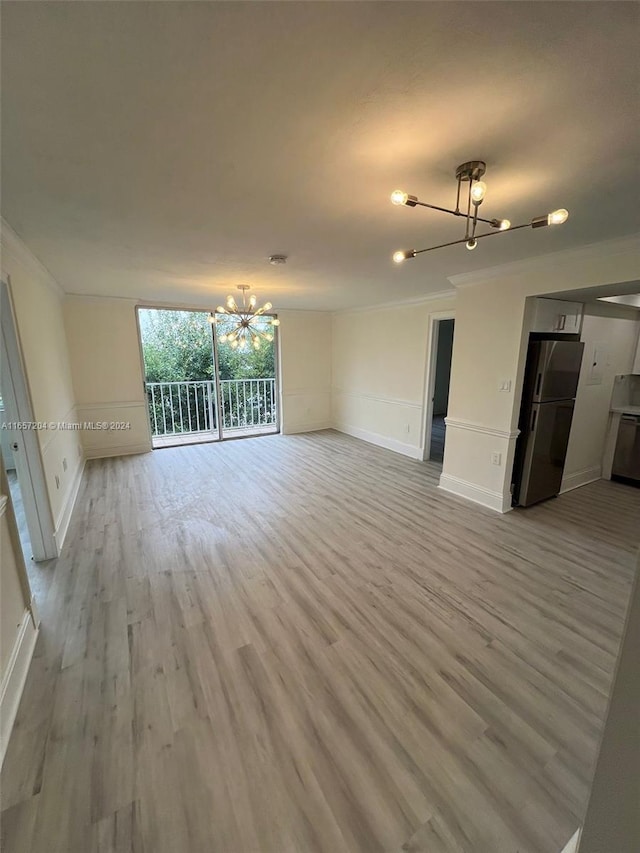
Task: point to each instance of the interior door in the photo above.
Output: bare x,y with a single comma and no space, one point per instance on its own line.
24,444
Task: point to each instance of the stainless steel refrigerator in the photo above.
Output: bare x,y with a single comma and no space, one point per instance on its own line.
550,385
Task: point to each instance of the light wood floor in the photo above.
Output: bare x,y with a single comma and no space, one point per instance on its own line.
299,645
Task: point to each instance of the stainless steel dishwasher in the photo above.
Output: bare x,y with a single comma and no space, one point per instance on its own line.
626,459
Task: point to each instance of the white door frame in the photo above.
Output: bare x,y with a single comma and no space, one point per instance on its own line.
27,455
430,372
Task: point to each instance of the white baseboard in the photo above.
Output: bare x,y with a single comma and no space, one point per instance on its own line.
580,478
305,426
15,677
65,518
381,440
120,450
572,845
478,494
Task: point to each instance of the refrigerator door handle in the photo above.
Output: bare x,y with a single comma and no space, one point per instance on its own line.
538,383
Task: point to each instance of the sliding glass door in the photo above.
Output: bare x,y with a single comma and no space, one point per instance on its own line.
201,386
180,376
247,377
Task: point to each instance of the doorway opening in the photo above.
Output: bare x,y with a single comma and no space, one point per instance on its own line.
200,388
21,456
442,331
9,451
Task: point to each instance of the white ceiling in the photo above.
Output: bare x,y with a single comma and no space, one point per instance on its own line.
163,150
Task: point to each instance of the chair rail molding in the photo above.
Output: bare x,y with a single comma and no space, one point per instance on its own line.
378,398
470,426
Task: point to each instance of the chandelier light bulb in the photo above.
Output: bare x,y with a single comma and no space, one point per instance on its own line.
471,244
504,225
398,257
557,217
399,197
247,322
478,191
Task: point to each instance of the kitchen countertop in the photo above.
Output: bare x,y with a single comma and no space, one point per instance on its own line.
626,410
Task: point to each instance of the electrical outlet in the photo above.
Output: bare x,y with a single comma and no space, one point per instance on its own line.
57,482
505,385
64,464
496,458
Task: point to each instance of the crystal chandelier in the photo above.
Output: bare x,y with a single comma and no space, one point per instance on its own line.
248,325
472,173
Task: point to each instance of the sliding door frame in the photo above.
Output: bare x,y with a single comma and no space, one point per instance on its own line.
143,306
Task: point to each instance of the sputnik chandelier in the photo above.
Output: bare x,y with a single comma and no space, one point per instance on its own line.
249,326
471,173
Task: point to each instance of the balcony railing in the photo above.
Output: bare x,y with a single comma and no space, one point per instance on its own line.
177,408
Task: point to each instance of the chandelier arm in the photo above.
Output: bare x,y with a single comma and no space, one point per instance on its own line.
478,237
457,210
446,210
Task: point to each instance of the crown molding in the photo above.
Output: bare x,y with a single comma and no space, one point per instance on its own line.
399,303
617,246
15,247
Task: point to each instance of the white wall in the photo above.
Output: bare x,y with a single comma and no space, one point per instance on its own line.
490,346
305,370
379,373
107,374
37,302
109,383
609,334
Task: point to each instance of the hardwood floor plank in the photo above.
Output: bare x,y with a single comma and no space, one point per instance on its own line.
300,645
